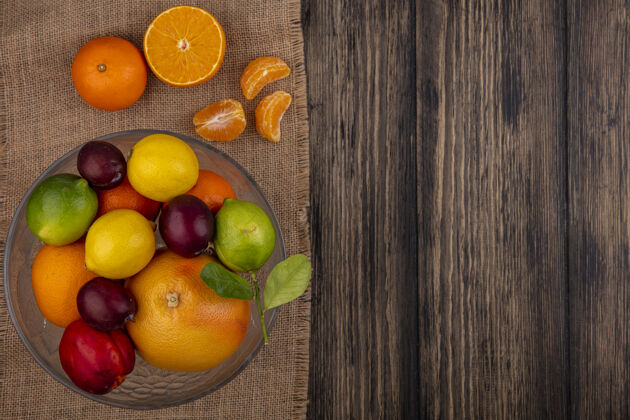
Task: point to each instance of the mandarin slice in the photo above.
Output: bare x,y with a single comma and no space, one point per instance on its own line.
269,113
184,46
261,72
221,121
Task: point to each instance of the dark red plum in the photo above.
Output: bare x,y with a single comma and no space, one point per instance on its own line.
186,225
105,305
102,164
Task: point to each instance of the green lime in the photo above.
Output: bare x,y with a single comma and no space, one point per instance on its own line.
244,238
61,209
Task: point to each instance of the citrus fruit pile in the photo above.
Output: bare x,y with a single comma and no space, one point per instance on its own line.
99,267
183,46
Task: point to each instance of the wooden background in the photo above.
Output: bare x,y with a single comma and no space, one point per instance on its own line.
470,208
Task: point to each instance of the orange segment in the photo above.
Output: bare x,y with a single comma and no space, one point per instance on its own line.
261,72
269,113
184,46
222,121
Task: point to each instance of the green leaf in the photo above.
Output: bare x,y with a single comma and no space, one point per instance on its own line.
226,283
287,281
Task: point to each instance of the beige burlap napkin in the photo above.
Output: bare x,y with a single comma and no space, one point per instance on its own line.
42,118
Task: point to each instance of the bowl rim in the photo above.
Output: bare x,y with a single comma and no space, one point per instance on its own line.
269,321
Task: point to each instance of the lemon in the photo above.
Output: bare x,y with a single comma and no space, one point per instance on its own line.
162,167
119,244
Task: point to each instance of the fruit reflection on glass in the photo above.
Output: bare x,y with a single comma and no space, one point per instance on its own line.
95,361
181,324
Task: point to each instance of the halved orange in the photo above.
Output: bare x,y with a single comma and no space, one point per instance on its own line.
184,46
261,72
221,121
269,113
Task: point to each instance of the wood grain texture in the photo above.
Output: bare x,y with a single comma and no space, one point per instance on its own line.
492,207
519,224
599,191
361,86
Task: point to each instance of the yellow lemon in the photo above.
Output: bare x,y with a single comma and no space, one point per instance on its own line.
162,167
119,244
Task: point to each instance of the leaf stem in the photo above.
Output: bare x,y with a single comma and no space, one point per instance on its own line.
260,311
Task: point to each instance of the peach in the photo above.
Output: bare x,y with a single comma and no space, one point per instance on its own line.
95,361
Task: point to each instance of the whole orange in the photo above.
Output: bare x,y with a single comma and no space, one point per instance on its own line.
181,323
109,73
57,274
212,189
125,197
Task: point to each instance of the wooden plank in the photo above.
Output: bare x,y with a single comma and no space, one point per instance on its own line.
599,204
361,86
492,206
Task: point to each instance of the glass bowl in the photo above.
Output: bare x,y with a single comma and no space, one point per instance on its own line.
147,387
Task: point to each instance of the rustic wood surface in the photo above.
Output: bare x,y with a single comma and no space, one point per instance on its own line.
470,208
599,208
491,159
361,67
